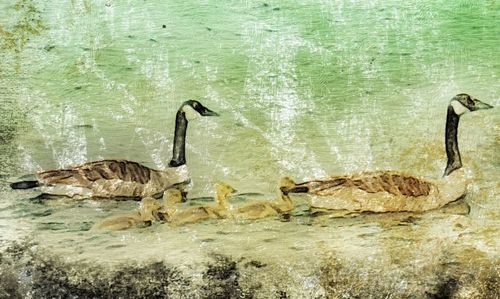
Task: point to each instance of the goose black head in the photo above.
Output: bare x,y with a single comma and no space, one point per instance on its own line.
463,102
193,109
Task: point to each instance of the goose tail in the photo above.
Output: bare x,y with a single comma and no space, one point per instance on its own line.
25,184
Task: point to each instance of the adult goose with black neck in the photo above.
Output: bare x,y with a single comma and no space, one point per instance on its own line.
122,178
392,191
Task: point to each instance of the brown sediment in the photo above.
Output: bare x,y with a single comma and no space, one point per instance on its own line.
463,274
452,272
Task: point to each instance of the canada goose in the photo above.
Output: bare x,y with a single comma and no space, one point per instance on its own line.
197,213
122,178
391,191
144,216
262,209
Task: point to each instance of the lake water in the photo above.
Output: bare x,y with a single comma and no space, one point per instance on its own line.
304,89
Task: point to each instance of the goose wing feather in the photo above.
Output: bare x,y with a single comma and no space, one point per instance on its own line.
84,175
391,182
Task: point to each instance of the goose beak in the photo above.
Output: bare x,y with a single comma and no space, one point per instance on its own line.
478,105
208,112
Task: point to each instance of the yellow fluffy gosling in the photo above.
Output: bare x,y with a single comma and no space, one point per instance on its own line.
146,213
261,209
194,214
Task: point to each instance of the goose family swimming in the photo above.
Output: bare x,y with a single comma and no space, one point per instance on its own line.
392,191
122,178
147,213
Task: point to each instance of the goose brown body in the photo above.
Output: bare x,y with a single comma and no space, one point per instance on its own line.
381,191
112,178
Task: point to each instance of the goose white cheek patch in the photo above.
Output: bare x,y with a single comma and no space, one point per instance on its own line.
190,112
458,107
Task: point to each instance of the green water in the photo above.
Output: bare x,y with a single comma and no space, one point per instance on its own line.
304,89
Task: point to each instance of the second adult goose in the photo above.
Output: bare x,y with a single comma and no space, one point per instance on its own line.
392,191
122,178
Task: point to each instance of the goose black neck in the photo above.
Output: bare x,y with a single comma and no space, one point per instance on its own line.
179,149
454,160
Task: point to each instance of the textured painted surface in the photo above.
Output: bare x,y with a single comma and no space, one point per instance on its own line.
305,89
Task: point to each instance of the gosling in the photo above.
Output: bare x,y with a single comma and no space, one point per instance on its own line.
143,217
219,210
262,209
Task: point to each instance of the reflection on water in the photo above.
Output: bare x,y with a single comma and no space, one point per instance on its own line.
304,90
